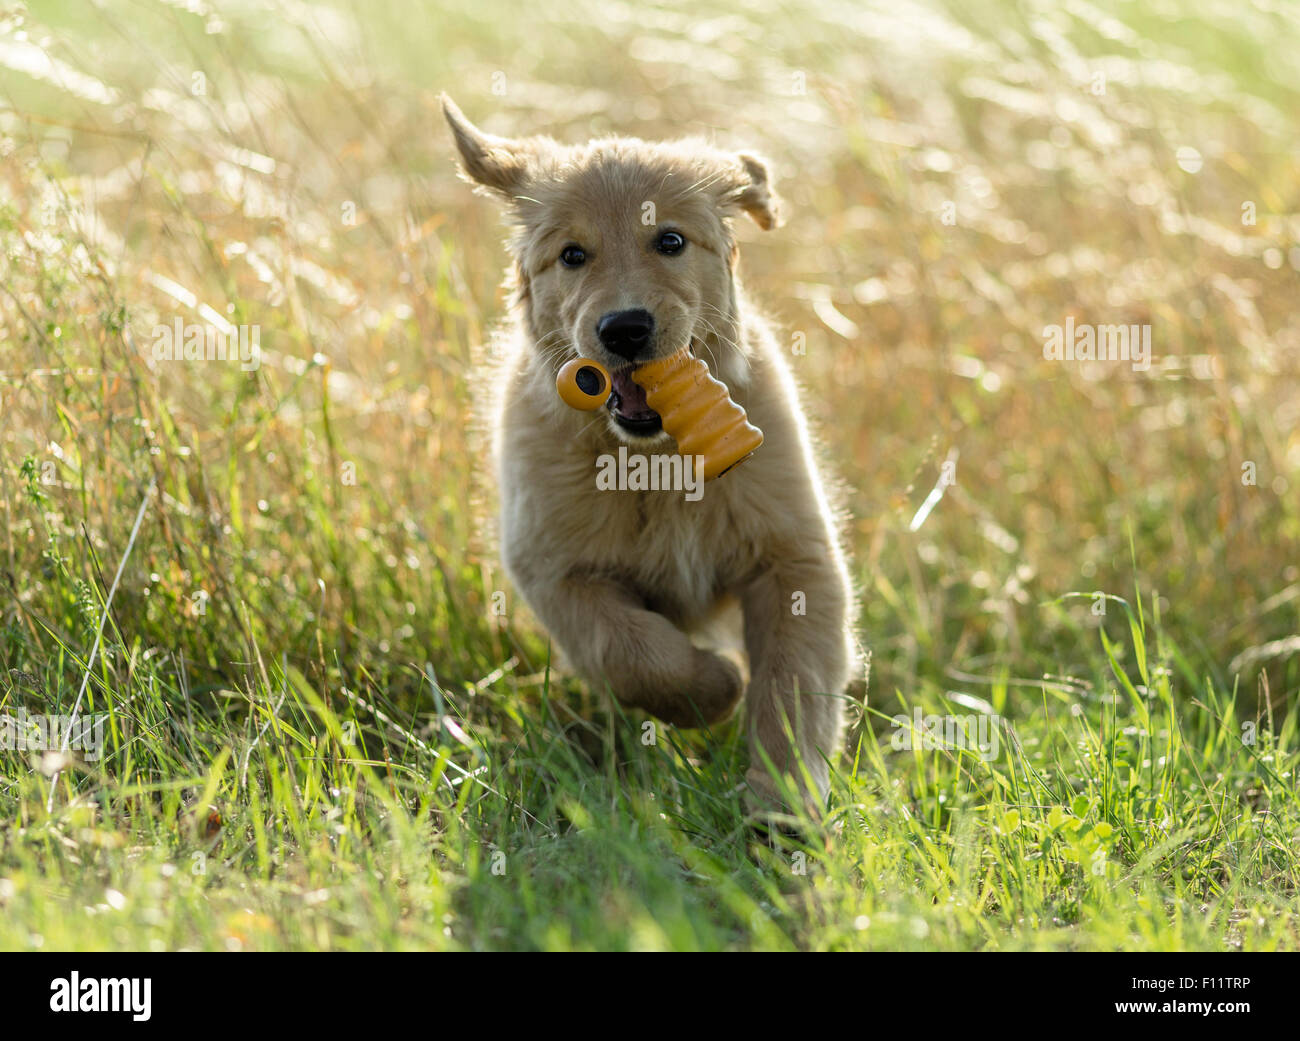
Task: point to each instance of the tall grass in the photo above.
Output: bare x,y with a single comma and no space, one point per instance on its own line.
333,725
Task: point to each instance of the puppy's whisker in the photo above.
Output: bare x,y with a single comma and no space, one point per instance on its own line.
722,337
599,418
718,335
555,346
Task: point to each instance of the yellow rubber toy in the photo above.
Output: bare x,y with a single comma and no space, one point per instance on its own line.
696,410
583,384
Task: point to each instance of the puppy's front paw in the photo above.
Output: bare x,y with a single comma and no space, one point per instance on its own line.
764,798
715,690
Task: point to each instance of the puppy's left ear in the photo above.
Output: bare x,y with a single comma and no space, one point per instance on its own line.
753,192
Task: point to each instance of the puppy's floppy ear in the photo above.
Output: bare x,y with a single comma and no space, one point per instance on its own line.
498,163
753,193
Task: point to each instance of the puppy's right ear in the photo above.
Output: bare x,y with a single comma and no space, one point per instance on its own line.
497,163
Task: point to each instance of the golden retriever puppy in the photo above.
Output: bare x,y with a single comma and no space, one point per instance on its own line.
624,253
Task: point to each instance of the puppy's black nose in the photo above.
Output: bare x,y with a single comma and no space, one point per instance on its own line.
626,333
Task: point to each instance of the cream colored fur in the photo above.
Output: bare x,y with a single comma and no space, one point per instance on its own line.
620,578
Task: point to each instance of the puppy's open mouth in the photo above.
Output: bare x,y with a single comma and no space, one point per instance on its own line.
627,404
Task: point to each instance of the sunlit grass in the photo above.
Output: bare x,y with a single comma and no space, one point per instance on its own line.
332,725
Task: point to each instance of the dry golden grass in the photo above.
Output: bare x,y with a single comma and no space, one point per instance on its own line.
286,168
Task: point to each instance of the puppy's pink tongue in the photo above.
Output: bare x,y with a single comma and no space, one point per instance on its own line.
631,401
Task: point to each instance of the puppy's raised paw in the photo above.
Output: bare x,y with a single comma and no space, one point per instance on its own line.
714,694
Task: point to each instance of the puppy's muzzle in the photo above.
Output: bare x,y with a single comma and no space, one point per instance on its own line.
626,333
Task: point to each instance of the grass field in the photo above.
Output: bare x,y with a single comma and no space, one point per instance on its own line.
329,723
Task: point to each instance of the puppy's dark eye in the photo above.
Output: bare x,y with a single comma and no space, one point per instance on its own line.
670,243
573,256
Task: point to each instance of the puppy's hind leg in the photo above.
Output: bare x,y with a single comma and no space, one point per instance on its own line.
645,660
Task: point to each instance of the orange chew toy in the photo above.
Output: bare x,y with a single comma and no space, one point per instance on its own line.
696,410
583,384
